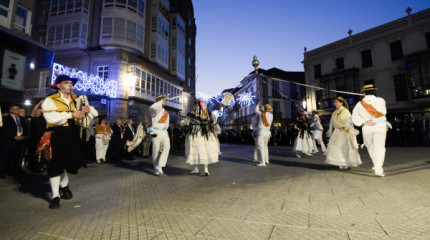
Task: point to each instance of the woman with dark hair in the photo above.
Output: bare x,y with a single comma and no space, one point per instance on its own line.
342,149
303,142
201,143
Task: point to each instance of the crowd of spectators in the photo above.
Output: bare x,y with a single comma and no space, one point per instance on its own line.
20,135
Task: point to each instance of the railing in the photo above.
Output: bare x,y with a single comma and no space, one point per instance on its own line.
150,96
38,92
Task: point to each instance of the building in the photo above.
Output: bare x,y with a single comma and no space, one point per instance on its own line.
125,53
395,57
19,53
272,82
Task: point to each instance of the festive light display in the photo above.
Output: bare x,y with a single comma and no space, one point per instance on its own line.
217,113
245,99
228,99
94,84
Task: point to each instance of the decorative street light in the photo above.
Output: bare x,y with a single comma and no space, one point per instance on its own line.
255,64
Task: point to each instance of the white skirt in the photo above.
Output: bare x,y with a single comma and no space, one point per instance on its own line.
304,144
342,149
201,150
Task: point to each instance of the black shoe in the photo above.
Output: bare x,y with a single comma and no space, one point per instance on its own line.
54,203
66,193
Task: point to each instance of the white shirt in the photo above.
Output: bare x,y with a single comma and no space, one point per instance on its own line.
360,115
269,117
157,112
60,118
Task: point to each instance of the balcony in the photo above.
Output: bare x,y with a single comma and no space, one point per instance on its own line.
150,96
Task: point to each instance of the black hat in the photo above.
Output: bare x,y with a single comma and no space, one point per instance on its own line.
62,78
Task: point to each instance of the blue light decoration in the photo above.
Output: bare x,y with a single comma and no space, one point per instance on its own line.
94,84
245,99
217,113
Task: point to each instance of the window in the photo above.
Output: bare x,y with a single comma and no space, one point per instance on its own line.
317,71
141,8
4,8
428,39
103,72
339,64
277,110
21,19
107,28
131,31
401,87
275,86
396,50
44,79
366,58
61,7
139,36
119,28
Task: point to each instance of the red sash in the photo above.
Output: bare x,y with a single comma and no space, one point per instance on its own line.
371,110
44,147
163,119
264,119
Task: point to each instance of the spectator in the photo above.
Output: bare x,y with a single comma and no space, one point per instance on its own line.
13,132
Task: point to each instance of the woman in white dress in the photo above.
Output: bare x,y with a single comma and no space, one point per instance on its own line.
342,149
201,143
304,142
103,132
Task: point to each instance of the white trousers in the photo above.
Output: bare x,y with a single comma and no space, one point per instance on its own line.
101,149
321,142
160,149
262,141
374,139
255,156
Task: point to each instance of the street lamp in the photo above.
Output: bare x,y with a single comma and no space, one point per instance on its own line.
255,64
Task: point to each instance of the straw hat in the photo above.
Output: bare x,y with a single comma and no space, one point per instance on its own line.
368,87
159,98
268,108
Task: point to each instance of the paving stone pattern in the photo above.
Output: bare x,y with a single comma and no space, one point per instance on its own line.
291,198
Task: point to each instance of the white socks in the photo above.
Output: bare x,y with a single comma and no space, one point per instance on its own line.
56,182
65,181
55,186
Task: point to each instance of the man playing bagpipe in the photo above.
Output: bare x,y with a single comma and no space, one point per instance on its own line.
64,155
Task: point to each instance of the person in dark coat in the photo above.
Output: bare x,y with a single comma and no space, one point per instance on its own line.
13,134
116,143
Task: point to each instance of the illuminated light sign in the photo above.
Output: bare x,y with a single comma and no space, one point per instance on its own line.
217,113
245,99
94,84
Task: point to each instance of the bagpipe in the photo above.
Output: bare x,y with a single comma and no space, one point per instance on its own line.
82,101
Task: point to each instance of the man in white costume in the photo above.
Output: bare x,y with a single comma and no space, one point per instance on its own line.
370,114
158,132
265,119
318,132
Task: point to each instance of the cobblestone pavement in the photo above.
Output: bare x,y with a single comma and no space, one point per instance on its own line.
289,199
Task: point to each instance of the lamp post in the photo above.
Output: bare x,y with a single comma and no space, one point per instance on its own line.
255,64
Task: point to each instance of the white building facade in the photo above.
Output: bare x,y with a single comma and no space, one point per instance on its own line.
125,44
394,57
